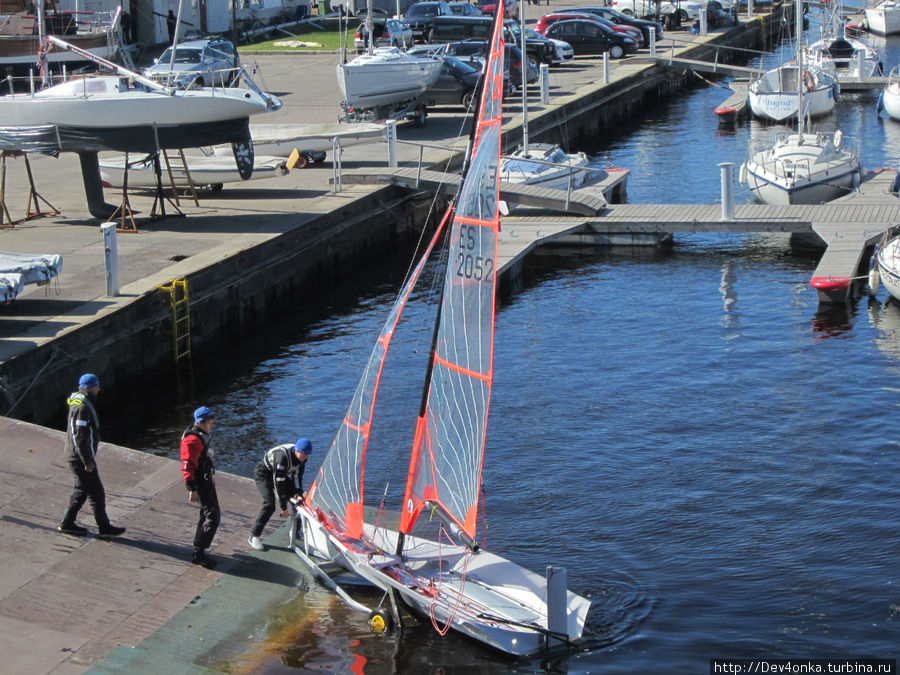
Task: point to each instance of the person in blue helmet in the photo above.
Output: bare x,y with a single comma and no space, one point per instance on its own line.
198,470
82,441
279,474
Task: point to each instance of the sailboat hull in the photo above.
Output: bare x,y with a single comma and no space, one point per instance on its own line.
884,18
774,95
483,595
889,267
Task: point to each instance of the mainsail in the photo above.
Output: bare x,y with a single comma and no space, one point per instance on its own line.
338,489
448,447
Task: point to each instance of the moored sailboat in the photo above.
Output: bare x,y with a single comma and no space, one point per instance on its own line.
429,562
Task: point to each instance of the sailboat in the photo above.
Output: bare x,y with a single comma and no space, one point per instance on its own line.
429,563
802,168
773,95
883,18
890,97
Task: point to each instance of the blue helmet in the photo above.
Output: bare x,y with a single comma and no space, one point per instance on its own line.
88,380
202,414
303,445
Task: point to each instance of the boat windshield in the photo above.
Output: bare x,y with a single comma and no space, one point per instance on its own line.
182,55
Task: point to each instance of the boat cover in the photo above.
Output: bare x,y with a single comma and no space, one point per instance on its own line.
10,286
31,267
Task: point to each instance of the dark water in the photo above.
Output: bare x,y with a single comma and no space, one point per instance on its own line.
713,460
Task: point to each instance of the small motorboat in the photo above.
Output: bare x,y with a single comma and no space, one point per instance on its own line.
883,18
386,77
280,140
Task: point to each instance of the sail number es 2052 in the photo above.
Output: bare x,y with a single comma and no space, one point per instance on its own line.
469,265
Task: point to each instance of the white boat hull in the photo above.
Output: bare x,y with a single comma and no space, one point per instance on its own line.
890,98
884,19
774,95
449,583
385,78
107,102
889,267
813,171
215,170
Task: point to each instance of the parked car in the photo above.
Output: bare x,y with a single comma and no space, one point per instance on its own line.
551,51
464,9
589,37
455,85
208,62
460,28
470,53
549,19
616,16
510,8
681,11
388,33
512,59
420,17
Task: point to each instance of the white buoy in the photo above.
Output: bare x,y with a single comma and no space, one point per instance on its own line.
742,174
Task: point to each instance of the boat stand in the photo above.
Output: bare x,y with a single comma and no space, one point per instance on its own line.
160,199
124,209
33,209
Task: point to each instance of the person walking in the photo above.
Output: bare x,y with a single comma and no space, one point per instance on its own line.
198,470
279,474
170,26
82,441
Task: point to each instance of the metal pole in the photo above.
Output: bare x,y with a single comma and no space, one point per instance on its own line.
727,176
391,132
524,81
749,8
653,41
112,259
545,83
703,26
605,67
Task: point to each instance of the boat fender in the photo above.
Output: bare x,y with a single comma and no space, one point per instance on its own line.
880,105
742,174
874,280
837,138
381,621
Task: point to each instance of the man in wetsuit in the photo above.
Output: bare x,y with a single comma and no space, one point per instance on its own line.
198,470
279,474
82,441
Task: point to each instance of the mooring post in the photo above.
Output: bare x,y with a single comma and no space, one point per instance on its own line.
391,132
605,67
545,83
112,259
653,42
703,23
749,8
727,175
557,604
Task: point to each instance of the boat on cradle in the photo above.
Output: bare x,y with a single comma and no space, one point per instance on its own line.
883,18
890,97
386,77
20,33
127,112
205,171
280,140
19,269
802,168
431,565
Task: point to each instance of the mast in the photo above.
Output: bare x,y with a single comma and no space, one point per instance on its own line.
798,31
524,81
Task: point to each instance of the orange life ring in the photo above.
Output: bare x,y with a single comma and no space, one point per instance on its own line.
808,80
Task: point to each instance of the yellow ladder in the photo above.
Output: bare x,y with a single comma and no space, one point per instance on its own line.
179,300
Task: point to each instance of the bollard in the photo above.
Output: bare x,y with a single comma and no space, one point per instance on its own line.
749,7
112,259
653,42
545,83
703,23
336,172
860,60
391,133
727,176
605,67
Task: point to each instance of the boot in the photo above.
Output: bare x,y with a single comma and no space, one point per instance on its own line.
200,558
110,530
72,528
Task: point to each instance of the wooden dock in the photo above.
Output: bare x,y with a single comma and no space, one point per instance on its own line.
848,227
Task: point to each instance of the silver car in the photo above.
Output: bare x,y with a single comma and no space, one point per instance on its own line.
202,63
388,33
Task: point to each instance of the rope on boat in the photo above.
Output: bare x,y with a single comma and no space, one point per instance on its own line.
556,635
462,583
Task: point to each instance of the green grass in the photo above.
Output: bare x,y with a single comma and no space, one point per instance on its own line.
323,40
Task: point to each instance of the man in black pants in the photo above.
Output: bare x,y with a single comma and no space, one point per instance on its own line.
279,474
198,470
82,440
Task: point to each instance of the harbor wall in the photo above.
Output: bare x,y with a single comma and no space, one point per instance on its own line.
247,292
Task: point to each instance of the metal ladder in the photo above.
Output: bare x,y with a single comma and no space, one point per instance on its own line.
179,301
